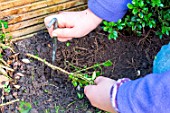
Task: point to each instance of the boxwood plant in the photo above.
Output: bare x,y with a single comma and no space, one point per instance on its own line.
142,15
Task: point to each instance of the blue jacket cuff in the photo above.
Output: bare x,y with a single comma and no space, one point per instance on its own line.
110,10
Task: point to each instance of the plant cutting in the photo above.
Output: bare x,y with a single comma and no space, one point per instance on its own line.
79,77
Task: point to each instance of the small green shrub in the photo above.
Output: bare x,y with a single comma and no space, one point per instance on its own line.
85,78
142,14
3,25
24,107
7,88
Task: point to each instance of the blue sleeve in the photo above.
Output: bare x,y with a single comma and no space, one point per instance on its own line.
110,10
162,60
150,94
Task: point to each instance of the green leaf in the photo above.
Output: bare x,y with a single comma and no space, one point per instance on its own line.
156,3
150,24
24,107
5,47
119,21
5,24
107,63
111,24
94,75
120,27
74,83
139,27
110,30
1,55
141,4
105,23
130,6
160,36
140,15
133,27
115,34
68,44
96,65
135,11
105,28
167,32
111,36
98,73
145,10
143,24
80,95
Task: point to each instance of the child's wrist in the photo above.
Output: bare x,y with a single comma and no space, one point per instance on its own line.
113,92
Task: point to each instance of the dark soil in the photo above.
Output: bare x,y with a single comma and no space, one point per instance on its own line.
49,93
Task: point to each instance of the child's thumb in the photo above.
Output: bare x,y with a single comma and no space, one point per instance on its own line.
89,89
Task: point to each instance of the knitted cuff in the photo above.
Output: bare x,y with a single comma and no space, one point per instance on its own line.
113,92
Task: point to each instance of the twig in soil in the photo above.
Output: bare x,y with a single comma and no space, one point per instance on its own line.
76,74
51,85
23,37
144,37
70,104
3,61
48,64
7,68
8,103
5,46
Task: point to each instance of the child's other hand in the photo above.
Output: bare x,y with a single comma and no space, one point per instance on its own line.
73,24
99,94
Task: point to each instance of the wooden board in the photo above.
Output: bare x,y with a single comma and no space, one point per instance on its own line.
25,17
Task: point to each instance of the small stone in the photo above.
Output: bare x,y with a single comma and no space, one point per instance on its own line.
17,77
78,88
19,74
17,86
26,61
15,94
138,73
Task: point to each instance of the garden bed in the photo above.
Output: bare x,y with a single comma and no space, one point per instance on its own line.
49,92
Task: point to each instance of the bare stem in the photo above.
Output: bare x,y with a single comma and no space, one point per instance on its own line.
48,64
88,68
76,74
8,103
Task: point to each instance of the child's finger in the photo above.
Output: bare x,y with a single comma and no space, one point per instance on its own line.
63,39
99,79
88,90
65,32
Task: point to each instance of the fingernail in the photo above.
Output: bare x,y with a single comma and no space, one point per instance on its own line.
54,34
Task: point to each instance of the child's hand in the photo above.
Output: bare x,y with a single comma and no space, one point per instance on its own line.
99,94
73,24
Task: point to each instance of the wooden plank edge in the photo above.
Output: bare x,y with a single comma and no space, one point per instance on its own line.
21,17
28,31
13,3
24,24
30,7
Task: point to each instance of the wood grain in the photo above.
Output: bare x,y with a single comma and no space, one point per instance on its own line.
37,25
26,17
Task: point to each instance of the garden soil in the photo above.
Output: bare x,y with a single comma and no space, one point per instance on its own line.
49,92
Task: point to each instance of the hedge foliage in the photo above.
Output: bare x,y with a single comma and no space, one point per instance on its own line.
142,14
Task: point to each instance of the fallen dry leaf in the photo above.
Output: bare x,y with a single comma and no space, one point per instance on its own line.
2,71
2,80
